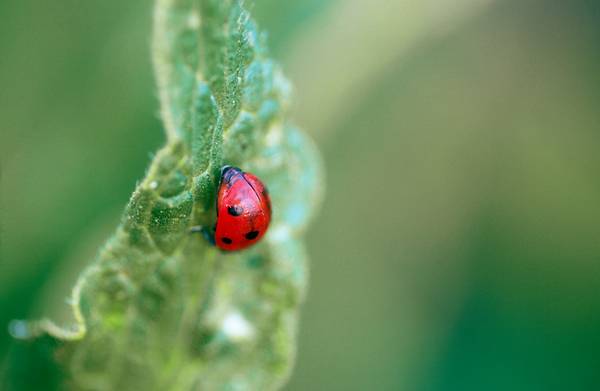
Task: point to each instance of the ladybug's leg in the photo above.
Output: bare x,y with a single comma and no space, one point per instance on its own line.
208,235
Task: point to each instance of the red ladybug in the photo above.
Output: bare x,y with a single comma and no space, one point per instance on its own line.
243,210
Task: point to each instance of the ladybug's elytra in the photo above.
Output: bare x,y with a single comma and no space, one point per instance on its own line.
243,210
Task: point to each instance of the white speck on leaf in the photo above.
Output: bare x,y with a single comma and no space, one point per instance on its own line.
235,326
193,21
280,233
274,135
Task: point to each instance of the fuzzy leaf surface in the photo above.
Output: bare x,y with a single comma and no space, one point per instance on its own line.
160,308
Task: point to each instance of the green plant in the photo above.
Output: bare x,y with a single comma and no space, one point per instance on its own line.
159,308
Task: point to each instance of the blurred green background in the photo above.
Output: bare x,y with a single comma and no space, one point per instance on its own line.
458,247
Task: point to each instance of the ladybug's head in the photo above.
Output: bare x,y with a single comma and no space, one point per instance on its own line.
229,172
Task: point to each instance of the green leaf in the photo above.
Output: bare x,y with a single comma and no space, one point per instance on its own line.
160,308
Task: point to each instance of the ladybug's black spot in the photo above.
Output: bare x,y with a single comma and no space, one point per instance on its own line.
235,210
226,240
251,235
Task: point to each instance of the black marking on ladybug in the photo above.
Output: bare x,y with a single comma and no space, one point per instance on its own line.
226,240
235,210
251,235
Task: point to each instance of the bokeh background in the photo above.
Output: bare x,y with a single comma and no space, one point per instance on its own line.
458,247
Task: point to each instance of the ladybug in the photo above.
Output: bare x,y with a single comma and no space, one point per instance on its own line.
243,210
